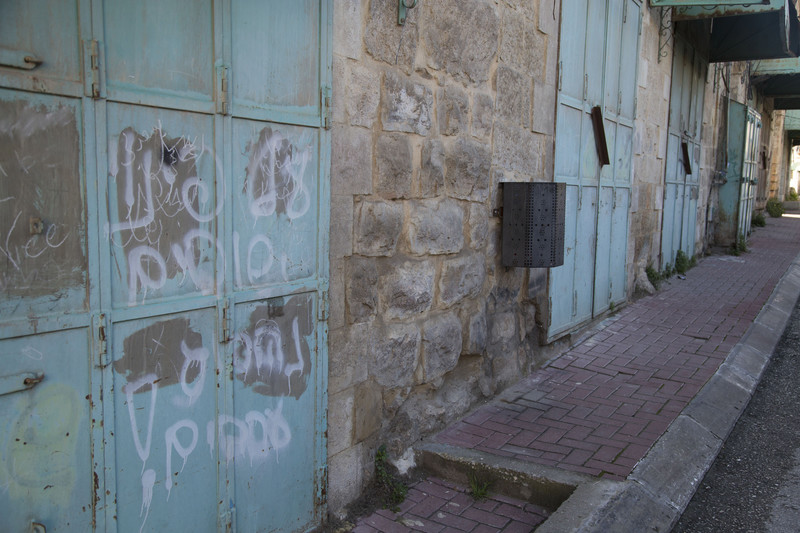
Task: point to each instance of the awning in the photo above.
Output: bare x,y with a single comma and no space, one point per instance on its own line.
778,79
743,31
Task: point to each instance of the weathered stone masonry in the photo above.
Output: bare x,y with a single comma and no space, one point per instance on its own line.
428,118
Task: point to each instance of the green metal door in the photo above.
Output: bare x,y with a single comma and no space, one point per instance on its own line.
681,182
165,272
597,67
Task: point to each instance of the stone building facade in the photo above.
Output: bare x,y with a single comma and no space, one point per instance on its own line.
428,119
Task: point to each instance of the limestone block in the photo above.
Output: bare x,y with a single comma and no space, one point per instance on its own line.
461,37
431,172
339,89
378,226
548,17
395,166
347,356
361,291
517,149
387,41
340,421
441,345
453,110
351,160
478,226
407,106
347,34
406,287
363,95
345,477
477,332
482,115
336,312
461,277
468,164
544,108
513,97
436,227
368,410
395,355
341,225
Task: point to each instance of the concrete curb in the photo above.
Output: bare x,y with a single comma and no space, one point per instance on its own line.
661,485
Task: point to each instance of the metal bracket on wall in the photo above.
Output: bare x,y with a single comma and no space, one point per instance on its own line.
402,6
664,32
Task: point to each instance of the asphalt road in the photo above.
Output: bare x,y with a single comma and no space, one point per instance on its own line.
754,485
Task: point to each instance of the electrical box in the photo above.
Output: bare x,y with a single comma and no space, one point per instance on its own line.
533,224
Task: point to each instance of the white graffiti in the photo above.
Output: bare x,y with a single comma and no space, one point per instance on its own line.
163,219
193,358
54,237
274,160
255,438
265,348
244,441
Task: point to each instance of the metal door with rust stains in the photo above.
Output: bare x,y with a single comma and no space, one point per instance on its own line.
597,68
164,203
681,180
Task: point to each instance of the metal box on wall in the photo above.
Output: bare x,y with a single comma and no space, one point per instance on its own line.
533,224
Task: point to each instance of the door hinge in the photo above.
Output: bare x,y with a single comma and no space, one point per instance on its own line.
560,73
574,303
226,323
326,94
585,86
580,197
322,314
94,68
222,99
102,340
624,12
226,518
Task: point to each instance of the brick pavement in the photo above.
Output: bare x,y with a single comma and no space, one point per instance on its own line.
599,407
438,506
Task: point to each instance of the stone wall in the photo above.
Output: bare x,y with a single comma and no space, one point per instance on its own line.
428,118
650,149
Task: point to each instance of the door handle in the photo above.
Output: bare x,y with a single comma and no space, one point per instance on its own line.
19,382
19,59
36,527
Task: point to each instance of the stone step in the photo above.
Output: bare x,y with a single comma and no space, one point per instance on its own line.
541,485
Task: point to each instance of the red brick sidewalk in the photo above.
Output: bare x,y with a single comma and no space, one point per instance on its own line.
601,406
438,506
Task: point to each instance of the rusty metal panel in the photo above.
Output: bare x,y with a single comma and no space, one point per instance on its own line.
45,453
43,256
54,57
276,356
165,412
163,204
275,206
283,81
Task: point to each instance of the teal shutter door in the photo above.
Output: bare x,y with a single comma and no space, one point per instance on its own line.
176,226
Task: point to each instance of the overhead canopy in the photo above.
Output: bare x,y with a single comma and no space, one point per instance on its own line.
743,31
779,79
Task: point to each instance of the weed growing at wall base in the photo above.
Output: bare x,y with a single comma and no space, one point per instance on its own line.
392,490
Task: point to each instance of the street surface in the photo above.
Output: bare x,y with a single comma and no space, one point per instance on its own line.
754,485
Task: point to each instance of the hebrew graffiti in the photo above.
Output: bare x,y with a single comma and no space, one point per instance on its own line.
167,208
168,366
42,216
271,354
163,210
275,176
